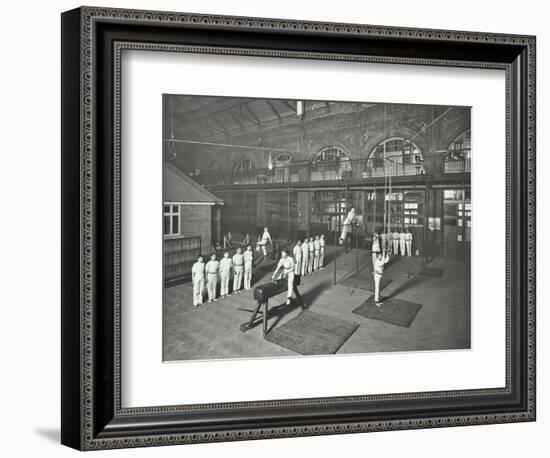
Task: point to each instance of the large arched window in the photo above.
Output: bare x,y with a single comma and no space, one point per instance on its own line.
459,154
331,163
395,156
243,173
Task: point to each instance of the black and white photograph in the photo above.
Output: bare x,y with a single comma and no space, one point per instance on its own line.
314,227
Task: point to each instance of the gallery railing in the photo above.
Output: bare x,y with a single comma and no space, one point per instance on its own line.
334,170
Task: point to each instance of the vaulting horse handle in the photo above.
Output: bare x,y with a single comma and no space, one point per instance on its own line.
262,293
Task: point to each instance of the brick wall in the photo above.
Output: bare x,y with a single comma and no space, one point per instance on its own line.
195,221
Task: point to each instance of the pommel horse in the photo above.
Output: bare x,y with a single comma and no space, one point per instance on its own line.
262,294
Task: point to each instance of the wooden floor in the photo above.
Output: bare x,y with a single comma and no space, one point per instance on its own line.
212,330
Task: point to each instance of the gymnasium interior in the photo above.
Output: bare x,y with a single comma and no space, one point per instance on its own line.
233,166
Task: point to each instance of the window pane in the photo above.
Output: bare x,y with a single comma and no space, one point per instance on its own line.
166,225
175,225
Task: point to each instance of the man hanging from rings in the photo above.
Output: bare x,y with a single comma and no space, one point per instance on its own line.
346,226
285,269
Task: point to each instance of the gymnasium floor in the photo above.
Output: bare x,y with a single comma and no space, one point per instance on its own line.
212,330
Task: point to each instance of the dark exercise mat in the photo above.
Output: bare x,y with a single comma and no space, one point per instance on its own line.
312,334
393,311
364,280
432,272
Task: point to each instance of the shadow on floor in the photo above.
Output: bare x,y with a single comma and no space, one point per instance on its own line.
52,435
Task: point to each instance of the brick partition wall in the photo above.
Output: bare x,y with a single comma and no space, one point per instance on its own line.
195,221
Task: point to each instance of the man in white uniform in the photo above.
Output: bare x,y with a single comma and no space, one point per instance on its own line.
225,273
248,258
402,237
408,242
305,256
311,255
285,269
197,275
375,247
380,261
212,272
297,258
346,227
238,264
395,241
265,239
317,253
322,251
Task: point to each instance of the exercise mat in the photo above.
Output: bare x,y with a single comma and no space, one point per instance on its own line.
311,333
393,311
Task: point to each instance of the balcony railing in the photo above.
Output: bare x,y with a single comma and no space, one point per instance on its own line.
331,171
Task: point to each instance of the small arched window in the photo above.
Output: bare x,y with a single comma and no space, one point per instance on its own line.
243,165
331,163
459,154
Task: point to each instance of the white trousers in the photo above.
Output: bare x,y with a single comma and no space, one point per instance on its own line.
211,284
377,278
322,257
345,231
402,247
237,277
310,258
247,275
290,279
409,247
298,266
316,260
198,288
395,246
224,288
305,262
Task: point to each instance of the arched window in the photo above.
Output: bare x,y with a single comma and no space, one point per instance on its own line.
242,173
331,163
395,156
459,154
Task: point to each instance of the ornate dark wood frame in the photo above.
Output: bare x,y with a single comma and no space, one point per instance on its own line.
92,42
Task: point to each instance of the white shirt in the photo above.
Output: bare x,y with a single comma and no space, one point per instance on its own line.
287,264
317,245
248,257
396,235
226,264
378,264
197,271
322,242
212,267
297,252
266,236
408,236
402,236
305,249
349,218
238,260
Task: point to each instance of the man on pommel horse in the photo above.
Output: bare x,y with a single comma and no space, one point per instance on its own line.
282,279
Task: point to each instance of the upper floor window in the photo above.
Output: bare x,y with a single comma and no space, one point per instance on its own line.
243,165
460,147
397,149
331,163
459,154
331,154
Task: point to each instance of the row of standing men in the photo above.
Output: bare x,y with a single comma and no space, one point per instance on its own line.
241,265
308,258
394,242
